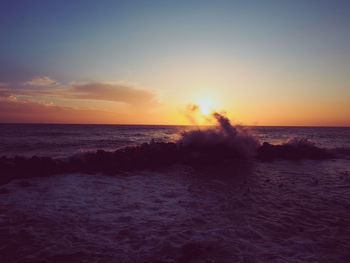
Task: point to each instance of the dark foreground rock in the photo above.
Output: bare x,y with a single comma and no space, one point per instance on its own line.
152,155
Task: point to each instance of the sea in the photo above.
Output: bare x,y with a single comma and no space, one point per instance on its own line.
251,211
63,140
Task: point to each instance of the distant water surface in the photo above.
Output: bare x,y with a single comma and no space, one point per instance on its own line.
62,140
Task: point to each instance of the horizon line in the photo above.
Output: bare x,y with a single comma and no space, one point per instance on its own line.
133,124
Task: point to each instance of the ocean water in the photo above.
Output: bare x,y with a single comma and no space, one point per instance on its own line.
246,211
57,140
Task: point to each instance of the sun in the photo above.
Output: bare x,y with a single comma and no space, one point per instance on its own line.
205,108
206,105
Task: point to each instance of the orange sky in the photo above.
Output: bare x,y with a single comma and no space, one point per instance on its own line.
122,103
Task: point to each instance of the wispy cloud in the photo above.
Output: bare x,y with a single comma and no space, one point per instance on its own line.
101,91
4,93
117,92
26,110
41,82
43,99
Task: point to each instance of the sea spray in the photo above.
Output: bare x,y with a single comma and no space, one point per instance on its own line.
211,146
223,139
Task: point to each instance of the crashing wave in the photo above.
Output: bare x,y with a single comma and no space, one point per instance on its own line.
224,140
211,146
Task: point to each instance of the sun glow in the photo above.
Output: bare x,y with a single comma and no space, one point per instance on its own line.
206,105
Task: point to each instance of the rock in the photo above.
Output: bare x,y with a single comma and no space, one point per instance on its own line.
4,191
24,184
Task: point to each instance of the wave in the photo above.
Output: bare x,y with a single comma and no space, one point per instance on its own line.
224,140
212,146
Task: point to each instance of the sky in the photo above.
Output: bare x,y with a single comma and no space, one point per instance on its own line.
143,62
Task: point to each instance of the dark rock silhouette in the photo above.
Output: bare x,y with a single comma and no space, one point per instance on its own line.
24,184
295,149
215,146
4,191
151,155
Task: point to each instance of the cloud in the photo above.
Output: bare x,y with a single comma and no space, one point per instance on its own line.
36,92
46,87
118,92
4,93
23,111
45,100
41,82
